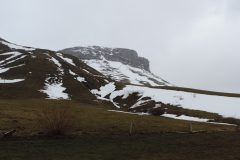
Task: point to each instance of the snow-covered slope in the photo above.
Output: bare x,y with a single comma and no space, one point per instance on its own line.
36,73
122,65
136,95
226,106
125,73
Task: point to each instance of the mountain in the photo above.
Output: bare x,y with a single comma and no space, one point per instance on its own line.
118,78
142,91
122,65
125,56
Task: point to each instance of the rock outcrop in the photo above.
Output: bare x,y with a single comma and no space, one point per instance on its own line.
125,56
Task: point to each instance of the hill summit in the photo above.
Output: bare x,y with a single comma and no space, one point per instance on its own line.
125,56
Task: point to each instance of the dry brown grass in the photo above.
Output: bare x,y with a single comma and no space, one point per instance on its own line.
24,116
57,120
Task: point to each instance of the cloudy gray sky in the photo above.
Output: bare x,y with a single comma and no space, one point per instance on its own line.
194,43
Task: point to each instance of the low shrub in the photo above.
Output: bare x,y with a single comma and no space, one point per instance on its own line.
157,111
56,121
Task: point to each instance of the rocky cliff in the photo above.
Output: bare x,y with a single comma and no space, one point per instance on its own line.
125,56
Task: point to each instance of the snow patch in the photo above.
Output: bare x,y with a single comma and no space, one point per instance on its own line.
121,72
12,61
55,61
53,85
105,90
125,92
55,91
59,66
3,70
140,114
12,56
183,117
68,60
14,46
86,71
195,119
225,106
81,79
139,103
10,80
77,77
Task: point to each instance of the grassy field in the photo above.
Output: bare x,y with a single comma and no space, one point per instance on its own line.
100,134
219,146
22,115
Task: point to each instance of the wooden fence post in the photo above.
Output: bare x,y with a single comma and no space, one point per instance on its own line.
190,128
132,128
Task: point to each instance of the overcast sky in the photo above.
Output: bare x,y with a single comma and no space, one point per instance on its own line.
193,43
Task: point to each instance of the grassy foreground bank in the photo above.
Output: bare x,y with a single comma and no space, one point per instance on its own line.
23,116
98,134
207,146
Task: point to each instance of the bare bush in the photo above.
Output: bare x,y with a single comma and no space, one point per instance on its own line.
157,111
55,121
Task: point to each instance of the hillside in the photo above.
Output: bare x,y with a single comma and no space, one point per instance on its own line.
36,73
116,78
142,91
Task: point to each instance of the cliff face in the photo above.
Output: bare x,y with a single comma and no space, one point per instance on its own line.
125,56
